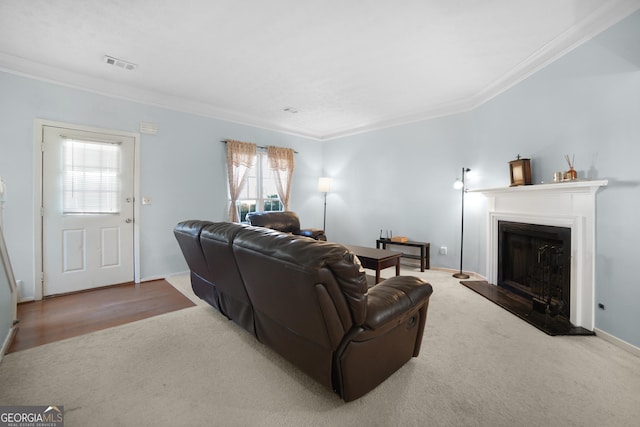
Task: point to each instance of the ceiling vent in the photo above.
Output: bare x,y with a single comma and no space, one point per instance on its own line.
120,63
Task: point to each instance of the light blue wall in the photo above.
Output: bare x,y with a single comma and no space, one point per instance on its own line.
182,167
587,104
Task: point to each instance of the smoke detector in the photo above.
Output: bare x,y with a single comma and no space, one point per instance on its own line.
120,63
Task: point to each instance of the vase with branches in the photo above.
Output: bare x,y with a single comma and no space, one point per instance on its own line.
571,173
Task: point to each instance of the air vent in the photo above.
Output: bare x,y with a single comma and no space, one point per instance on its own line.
120,63
148,128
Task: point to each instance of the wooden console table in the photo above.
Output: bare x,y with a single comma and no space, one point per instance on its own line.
424,250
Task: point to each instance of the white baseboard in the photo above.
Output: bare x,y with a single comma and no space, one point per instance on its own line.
151,278
180,273
617,342
472,275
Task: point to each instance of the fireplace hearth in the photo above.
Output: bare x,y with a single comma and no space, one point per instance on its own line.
522,308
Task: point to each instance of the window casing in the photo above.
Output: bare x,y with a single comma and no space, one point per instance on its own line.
259,193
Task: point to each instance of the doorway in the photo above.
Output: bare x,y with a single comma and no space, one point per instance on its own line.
87,222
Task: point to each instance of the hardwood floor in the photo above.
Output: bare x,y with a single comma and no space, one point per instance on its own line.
66,316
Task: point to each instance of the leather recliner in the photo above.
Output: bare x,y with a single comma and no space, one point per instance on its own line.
309,301
285,221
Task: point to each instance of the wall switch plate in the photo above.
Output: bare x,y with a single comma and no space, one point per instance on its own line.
146,200
443,250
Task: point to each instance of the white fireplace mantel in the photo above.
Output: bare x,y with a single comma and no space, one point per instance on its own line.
569,204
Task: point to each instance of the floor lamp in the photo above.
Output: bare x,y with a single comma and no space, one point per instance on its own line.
459,185
324,186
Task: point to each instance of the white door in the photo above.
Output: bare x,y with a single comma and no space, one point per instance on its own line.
87,215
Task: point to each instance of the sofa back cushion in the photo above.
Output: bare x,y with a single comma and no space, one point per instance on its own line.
217,239
187,234
278,265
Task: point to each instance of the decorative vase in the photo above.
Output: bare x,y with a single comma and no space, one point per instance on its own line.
572,174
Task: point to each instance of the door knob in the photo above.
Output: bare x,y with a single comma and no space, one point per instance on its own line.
128,220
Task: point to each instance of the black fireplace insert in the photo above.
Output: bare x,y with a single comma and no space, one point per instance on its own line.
534,261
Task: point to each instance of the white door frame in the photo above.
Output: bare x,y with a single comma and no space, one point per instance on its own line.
37,202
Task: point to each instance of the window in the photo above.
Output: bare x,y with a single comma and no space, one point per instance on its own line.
90,177
259,193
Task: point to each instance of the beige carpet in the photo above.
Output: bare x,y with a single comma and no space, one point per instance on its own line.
479,366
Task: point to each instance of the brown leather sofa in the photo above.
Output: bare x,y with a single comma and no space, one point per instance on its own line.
308,300
285,221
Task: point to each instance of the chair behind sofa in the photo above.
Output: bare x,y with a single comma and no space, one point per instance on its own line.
285,221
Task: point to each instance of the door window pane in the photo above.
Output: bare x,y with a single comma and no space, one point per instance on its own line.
90,177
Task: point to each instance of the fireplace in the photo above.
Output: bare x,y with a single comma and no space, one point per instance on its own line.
569,205
534,262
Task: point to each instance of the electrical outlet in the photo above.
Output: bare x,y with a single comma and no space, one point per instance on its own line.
146,200
443,250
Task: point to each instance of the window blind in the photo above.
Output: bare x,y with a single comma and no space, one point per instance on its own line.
91,172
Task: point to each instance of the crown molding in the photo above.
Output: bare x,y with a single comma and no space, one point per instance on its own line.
609,14
42,72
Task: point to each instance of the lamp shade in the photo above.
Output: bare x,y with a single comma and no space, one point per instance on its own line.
324,184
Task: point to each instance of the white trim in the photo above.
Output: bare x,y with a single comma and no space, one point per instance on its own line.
618,342
577,186
38,127
610,13
472,275
152,278
180,273
137,203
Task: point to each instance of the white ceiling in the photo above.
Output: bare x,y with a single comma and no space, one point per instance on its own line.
345,66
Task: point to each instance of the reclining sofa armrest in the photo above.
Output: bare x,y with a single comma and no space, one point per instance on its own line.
314,233
394,297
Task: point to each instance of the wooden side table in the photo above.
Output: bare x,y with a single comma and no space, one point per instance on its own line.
424,250
376,259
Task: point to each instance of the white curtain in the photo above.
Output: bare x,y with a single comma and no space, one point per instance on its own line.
281,163
241,157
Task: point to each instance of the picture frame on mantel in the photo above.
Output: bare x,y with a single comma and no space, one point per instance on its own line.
520,171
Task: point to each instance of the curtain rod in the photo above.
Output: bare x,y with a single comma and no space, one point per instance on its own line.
224,141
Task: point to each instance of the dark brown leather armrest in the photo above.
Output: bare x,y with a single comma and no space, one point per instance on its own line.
393,298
